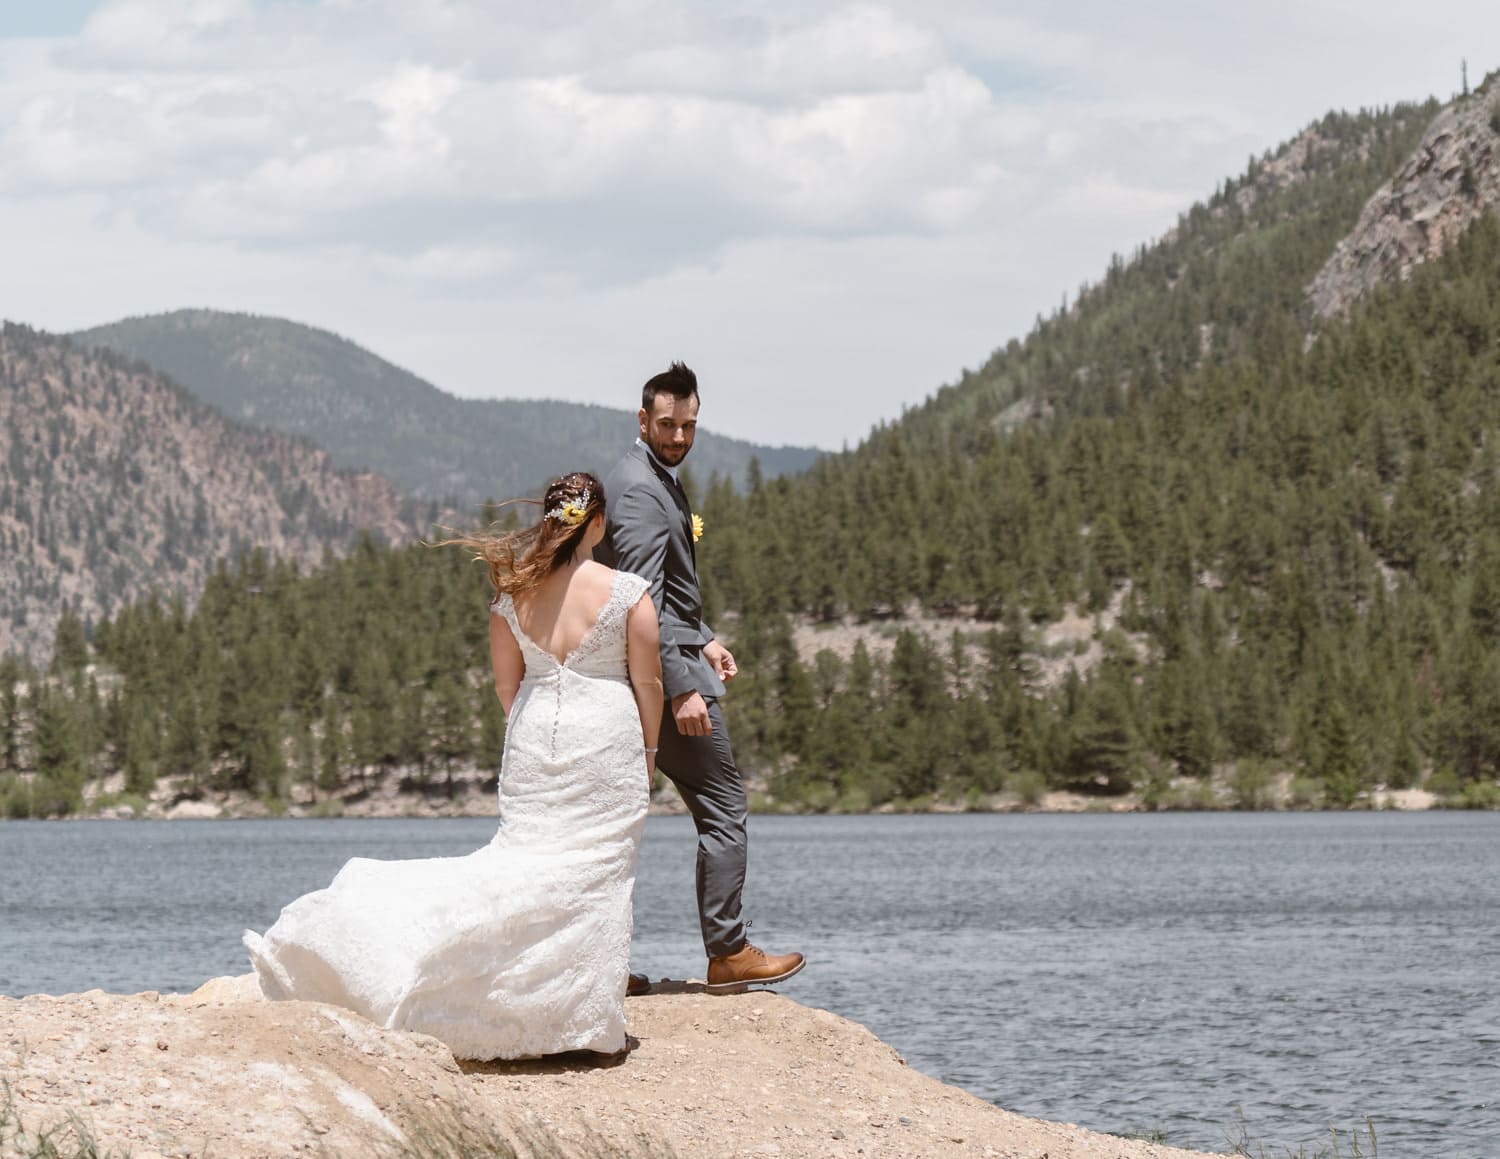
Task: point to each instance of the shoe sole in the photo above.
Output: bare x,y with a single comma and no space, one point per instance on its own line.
741,987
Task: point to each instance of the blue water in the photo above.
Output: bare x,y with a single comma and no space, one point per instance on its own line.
1223,979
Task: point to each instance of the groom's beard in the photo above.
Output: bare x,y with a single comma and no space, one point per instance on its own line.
668,454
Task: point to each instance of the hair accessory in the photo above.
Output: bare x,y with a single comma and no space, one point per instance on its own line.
572,512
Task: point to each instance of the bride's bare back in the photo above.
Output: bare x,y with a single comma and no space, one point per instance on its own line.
557,614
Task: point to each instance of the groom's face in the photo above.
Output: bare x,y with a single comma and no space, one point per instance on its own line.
669,427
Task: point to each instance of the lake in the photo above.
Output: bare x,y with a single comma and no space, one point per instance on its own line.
1216,978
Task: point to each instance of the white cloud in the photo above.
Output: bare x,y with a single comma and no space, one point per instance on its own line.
861,197
158,34
862,48
282,147
1103,196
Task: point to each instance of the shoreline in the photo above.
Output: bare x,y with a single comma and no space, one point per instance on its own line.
474,796
221,1071
201,811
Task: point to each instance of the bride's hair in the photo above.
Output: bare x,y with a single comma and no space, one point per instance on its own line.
520,560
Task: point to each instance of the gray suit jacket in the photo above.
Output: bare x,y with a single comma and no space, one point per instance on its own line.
648,531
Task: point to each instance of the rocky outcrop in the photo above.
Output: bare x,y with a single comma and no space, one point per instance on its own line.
223,1073
1291,166
1451,179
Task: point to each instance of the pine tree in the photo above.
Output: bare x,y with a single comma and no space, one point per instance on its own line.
61,761
1340,766
454,739
332,748
11,677
141,751
70,652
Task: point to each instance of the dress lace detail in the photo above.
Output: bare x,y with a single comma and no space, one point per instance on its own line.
519,948
605,634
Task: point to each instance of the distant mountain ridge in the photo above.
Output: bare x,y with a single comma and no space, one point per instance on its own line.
117,482
373,415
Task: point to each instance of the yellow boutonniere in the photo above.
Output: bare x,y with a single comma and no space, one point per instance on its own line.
697,527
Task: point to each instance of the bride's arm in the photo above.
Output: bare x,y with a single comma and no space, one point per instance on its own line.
643,658
506,660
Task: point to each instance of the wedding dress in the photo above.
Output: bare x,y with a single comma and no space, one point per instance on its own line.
520,948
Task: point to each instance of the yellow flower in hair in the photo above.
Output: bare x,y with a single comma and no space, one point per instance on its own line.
697,527
571,512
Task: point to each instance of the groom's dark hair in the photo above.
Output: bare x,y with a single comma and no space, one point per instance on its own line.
677,380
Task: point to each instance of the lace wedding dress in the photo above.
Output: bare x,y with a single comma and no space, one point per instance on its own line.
520,948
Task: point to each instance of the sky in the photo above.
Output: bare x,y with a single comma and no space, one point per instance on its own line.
828,210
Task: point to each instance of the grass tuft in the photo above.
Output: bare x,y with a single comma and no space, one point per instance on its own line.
446,1133
440,1134
1349,1144
70,1138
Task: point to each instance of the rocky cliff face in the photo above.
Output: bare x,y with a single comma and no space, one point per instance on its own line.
113,481
1451,179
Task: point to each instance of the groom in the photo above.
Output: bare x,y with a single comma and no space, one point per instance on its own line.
649,531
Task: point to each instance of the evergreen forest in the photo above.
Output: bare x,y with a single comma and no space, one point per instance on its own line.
1286,534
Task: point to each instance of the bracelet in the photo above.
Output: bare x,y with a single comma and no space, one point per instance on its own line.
652,750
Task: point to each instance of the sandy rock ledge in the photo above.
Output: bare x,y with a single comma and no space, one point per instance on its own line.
221,1072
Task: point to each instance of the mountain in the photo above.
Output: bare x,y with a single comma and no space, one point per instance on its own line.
371,415
998,482
117,482
1225,530
1207,537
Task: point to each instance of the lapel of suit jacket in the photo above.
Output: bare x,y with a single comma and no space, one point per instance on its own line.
679,496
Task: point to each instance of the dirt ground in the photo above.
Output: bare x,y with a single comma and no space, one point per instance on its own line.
222,1072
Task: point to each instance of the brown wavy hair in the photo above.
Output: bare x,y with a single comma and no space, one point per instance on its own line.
520,560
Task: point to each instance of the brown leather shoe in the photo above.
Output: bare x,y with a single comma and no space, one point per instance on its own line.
637,985
750,965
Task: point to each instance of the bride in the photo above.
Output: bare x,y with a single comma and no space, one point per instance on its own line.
520,948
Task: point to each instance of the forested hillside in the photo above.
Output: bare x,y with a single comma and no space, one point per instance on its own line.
1298,523
116,482
275,678
371,415
1284,528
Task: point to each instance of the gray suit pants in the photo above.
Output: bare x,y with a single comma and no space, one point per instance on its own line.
703,769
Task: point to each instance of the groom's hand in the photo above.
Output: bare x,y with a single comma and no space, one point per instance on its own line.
721,660
691,714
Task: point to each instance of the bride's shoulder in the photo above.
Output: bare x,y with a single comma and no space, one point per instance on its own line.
622,583
597,583
631,587
597,575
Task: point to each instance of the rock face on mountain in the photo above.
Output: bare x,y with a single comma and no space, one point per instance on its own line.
1290,166
371,415
117,482
1451,179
